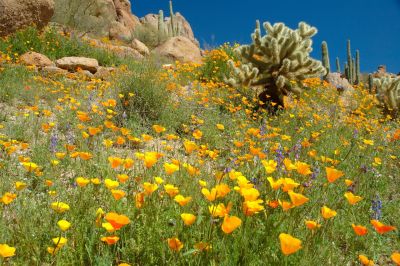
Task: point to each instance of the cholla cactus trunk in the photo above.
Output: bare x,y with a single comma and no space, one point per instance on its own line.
370,83
325,56
357,78
338,65
172,19
278,61
388,93
349,75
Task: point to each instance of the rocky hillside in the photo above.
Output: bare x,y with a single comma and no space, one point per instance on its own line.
95,20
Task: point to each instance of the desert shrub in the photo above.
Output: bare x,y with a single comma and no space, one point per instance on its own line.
54,45
216,66
149,35
145,97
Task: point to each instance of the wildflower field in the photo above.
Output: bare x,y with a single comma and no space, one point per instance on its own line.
166,164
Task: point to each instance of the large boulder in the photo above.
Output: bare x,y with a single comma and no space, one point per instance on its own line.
150,19
180,48
110,18
140,47
17,14
35,59
184,28
74,63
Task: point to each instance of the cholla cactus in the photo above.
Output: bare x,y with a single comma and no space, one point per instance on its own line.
278,61
388,93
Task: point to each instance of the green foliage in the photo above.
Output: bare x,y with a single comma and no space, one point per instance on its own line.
276,60
149,35
53,45
325,56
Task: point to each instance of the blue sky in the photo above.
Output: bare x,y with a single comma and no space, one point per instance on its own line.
373,26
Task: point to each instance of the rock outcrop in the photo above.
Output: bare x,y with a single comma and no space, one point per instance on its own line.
179,48
110,18
183,26
35,59
73,63
337,81
140,47
17,14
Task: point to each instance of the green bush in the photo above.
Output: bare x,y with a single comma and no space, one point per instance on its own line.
149,35
146,99
216,66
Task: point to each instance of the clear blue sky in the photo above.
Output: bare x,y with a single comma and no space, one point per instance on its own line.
372,26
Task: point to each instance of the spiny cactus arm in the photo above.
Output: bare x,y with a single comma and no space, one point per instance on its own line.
243,75
306,31
258,60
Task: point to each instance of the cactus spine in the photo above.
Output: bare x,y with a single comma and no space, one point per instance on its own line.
325,56
338,65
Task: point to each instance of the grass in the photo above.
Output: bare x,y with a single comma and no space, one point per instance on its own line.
58,121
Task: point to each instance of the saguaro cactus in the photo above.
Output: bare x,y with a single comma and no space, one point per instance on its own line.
325,56
357,68
278,61
162,30
349,75
172,19
338,65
